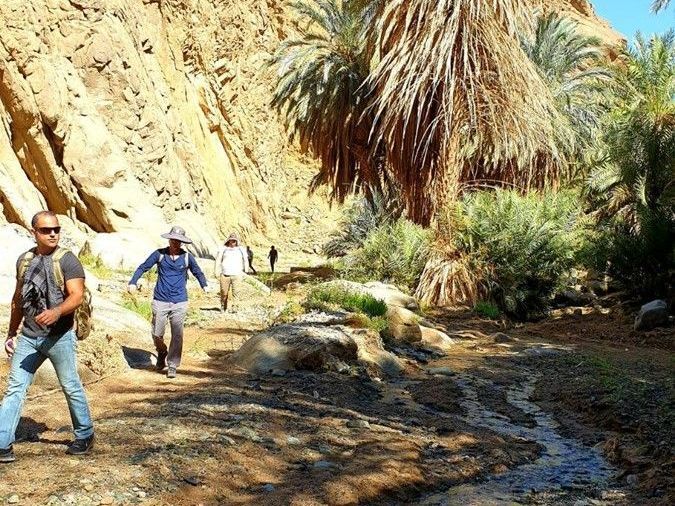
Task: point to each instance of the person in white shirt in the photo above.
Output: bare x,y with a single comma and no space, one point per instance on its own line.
230,269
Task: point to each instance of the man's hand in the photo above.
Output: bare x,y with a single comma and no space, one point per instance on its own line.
207,289
10,345
132,288
48,317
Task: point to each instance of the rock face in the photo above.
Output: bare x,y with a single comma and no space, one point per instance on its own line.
129,115
654,314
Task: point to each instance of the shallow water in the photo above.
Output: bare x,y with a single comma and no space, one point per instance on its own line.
567,472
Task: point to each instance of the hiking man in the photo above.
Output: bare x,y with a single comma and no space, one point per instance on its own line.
46,309
273,255
230,269
249,254
170,298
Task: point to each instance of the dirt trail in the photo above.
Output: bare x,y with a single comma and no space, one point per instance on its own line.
216,435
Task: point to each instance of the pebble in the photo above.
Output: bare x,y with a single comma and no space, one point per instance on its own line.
141,494
358,424
268,487
323,464
292,440
13,499
107,500
632,480
89,487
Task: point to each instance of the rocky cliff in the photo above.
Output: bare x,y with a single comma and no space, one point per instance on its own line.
129,115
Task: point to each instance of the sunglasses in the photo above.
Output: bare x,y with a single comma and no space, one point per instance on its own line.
48,230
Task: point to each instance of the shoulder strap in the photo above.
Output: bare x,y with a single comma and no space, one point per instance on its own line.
187,260
25,262
58,271
161,256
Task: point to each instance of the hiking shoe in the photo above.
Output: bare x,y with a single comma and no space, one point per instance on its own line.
171,372
81,446
7,455
161,361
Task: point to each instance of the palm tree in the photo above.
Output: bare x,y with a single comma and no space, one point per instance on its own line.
570,63
658,5
457,100
636,183
323,95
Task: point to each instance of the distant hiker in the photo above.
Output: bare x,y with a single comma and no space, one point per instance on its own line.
273,255
49,290
249,254
170,299
230,269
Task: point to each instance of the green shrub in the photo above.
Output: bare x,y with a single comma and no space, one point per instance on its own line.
517,247
141,306
96,266
290,312
329,298
393,253
487,310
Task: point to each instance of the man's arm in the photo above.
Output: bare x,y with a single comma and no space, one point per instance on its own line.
196,271
144,267
74,297
16,312
218,267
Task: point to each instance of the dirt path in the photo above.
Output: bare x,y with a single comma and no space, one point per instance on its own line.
216,435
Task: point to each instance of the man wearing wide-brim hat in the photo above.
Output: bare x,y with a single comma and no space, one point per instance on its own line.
170,298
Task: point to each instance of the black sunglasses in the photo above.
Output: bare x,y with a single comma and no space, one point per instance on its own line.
48,230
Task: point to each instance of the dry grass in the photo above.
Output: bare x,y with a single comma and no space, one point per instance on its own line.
457,99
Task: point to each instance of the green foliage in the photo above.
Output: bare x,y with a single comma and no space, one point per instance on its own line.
291,310
393,252
96,266
525,244
487,310
360,219
574,69
142,307
633,188
328,298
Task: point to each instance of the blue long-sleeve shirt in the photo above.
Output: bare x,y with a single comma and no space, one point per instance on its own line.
172,275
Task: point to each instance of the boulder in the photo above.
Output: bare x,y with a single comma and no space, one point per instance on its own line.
436,340
121,250
404,324
651,315
313,345
391,295
501,338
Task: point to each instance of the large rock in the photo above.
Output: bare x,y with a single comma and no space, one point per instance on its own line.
122,250
436,340
313,344
404,325
651,315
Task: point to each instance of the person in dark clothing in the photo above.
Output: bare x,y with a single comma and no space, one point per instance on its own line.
273,255
249,254
46,306
170,299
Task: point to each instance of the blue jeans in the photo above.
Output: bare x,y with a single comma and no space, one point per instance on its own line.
29,355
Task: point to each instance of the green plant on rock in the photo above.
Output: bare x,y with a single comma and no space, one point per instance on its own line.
337,297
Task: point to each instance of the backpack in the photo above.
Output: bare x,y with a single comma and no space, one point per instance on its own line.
82,315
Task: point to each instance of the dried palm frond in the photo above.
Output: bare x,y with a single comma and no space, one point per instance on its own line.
452,282
457,99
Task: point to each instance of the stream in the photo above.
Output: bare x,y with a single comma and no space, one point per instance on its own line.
566,472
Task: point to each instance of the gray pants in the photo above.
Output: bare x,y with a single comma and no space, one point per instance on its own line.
174,313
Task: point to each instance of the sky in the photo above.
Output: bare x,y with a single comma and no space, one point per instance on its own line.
629,16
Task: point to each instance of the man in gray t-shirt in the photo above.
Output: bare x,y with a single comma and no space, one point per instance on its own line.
46,308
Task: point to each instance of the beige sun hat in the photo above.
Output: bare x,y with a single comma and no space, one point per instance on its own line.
177,233
232,237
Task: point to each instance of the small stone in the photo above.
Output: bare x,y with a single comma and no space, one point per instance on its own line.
500,337
358,424
268,487
89,487
292,440
278,372
632,480
323,464
107,500
141,494
13,499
